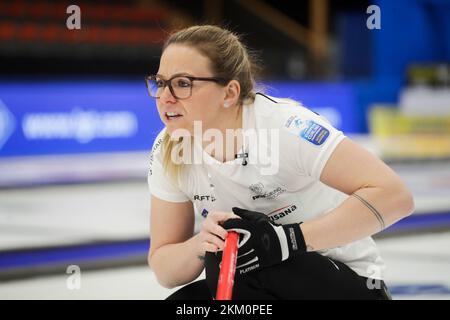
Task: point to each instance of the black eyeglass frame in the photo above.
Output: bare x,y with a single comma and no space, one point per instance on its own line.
168,83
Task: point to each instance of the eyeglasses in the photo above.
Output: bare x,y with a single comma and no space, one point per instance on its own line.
179,86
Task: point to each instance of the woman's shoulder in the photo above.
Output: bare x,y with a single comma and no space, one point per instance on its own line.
273,112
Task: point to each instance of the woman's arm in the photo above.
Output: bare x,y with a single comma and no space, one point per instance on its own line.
176,256
173,250
378,198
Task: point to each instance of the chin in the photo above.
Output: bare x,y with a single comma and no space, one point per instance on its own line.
177,131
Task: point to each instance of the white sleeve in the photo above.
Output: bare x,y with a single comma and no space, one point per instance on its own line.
159,183
315,140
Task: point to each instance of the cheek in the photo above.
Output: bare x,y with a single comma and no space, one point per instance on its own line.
203,114
203,107
158,107
195,110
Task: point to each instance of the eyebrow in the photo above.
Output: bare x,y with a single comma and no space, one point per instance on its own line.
175,75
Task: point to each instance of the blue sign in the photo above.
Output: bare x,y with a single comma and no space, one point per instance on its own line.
7,124
72,117
41,118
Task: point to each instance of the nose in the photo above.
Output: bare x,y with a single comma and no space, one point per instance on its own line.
167,96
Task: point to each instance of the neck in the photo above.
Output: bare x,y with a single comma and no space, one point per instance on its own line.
226,150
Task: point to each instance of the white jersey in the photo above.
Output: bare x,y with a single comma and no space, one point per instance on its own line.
290,194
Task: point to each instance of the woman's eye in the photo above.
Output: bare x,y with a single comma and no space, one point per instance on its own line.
183,83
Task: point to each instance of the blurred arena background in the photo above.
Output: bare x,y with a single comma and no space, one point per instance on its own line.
76,127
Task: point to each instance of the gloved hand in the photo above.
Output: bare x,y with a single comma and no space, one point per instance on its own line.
263,243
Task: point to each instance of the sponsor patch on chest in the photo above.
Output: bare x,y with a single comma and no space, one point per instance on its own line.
282,212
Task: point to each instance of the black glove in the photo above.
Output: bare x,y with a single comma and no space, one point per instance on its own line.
263,243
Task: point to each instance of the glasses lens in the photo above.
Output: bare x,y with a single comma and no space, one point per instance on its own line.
155,86
182,87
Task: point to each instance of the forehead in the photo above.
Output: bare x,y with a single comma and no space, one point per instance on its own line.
183,59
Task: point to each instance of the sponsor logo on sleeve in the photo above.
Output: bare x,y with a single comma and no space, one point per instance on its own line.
308,130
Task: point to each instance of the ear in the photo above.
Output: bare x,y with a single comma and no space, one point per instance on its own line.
232,92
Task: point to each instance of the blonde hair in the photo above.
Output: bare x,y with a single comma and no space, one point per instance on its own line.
230,59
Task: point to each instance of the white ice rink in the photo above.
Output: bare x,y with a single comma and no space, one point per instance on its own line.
418,265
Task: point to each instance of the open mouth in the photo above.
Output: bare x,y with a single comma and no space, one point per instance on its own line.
172,115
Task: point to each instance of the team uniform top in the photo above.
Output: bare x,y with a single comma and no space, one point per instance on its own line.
288,147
